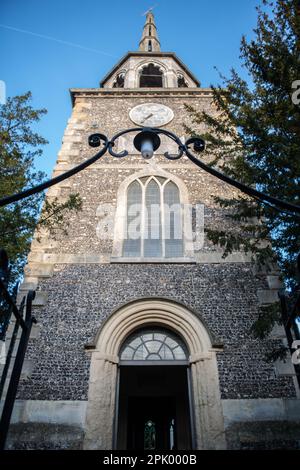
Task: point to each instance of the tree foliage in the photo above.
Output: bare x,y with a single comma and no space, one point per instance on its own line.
254,137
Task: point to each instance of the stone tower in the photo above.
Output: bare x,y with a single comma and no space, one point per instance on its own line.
144,343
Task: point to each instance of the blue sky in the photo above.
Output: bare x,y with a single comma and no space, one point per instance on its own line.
50,46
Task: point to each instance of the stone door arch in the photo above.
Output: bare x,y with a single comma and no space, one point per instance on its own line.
208,417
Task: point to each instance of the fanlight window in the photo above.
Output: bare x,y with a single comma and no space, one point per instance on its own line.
154,225
154,344
151,76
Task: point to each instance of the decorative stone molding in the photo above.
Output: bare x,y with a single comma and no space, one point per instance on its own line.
65,166
186,93
162,66
44,258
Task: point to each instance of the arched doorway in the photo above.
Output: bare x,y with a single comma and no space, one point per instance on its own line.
153,404
102,429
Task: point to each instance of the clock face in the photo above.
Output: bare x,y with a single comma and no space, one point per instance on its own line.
151,115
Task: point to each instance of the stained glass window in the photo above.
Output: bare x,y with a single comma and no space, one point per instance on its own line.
132,242
149,435
173,221
152,233
153,345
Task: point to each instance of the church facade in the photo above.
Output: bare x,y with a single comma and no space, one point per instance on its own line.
144,342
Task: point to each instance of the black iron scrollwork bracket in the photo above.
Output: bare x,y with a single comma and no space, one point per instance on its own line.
198,144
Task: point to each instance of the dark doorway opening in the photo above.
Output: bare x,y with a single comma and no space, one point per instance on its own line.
153,408
151,423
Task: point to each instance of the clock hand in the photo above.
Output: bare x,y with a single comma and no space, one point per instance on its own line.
145,119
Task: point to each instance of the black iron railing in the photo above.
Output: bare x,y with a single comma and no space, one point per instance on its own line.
9,311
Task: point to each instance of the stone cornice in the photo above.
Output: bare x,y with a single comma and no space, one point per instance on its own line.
138,93
41,261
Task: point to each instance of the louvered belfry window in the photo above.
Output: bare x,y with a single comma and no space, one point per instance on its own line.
154,227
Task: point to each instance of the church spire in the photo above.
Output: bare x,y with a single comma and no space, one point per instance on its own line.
149,41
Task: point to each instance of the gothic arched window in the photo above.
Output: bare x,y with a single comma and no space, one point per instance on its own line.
154,225
153,344
181,82
119,81
151,76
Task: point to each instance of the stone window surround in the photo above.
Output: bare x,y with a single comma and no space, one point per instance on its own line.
100,425
139,67
179,73
120,72
121,215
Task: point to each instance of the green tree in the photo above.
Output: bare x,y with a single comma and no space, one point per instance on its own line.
254,137
19,147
